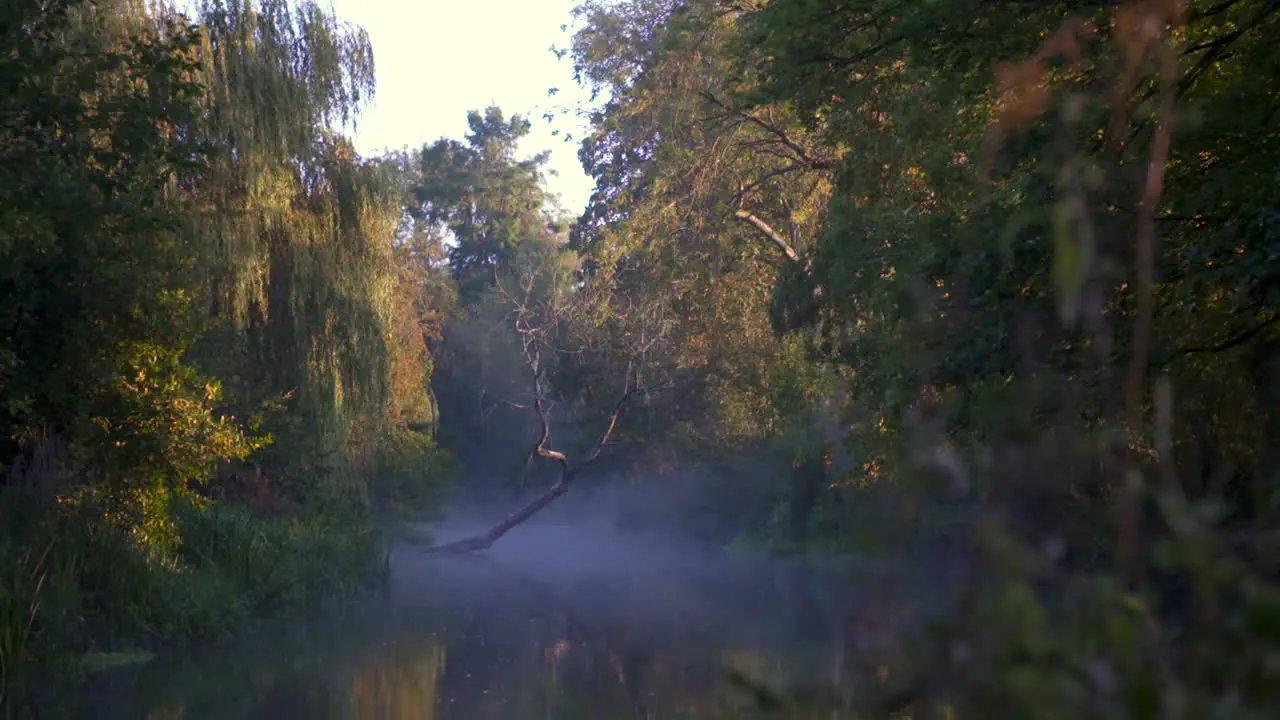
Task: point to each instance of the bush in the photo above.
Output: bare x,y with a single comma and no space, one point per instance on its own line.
409,477
76,579
278,563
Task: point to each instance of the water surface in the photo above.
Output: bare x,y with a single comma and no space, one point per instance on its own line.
557,621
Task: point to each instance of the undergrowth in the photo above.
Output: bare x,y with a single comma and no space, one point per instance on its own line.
69,585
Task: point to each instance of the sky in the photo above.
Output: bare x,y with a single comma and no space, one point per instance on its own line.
437,59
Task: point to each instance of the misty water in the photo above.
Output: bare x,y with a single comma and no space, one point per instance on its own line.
561,619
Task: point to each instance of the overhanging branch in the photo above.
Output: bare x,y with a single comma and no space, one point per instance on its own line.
568,472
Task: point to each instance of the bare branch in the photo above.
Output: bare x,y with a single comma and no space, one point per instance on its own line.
628,389
532,343
568,473
767,177
800,152
762,226
539,406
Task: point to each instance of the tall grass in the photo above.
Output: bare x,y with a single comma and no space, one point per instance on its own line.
21,580
279,564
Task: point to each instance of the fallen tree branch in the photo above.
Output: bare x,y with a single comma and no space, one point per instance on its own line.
568,471
477,543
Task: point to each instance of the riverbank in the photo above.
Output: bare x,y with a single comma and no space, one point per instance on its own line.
78,590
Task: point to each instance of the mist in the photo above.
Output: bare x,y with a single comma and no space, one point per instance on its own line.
629,562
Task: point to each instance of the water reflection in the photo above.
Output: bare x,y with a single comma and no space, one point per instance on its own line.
521,635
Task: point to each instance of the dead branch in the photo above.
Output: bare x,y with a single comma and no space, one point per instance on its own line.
742,194
531,341
748,217
568,473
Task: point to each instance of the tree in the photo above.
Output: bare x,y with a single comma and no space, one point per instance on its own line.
486,199
95,303
484,216
535,326
705,200
299,238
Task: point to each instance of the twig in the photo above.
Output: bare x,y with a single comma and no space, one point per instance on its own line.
800,152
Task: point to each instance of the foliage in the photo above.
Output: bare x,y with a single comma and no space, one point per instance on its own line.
997,279
483,196
298,234
707,208
115,587
410,473
201,295
93,279
996,243
506,256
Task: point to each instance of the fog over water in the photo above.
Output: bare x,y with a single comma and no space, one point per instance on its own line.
583,611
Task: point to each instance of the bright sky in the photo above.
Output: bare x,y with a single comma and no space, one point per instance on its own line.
437,59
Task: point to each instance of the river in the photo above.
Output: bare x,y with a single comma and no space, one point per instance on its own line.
556,621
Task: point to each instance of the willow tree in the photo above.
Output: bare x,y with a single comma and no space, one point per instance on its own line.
96,133
297,233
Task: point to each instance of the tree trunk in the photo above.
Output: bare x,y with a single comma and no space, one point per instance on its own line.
477,543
